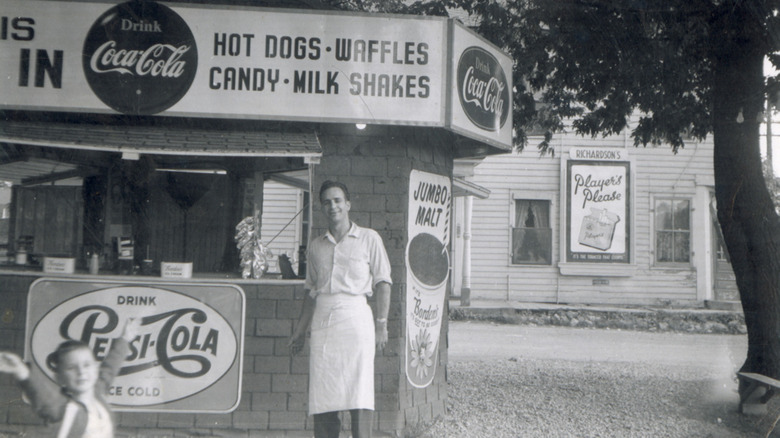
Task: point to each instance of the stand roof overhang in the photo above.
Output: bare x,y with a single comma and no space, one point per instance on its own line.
461,187
89,142
162,141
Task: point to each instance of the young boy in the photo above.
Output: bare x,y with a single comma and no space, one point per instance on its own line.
79,406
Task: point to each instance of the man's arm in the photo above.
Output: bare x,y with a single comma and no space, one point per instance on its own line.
382,310
298,337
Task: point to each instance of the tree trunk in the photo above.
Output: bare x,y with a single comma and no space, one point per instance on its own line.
751,228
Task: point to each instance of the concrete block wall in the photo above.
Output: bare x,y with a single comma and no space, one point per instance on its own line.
13,302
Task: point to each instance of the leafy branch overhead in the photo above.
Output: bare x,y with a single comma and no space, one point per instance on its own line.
597,62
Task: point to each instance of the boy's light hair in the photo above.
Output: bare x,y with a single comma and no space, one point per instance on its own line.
54,359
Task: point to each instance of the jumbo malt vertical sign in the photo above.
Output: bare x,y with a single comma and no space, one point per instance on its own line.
427,271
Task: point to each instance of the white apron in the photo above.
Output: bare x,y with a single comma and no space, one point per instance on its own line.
341,362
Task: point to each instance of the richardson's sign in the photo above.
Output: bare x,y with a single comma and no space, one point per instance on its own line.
186,358
598,205
144,57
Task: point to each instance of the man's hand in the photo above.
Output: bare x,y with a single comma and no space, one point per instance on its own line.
381,334
296,342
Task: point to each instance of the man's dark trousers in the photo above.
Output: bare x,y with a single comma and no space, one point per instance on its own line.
328,424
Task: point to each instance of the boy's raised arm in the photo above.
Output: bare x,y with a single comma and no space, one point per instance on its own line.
12,364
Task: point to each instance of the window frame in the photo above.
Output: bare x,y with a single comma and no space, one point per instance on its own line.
551,199
655,230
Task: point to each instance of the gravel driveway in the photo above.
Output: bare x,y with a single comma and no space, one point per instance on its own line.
546,397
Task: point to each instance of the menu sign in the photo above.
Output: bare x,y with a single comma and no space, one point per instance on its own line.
598,201
224,61
427,271
144,57
186,358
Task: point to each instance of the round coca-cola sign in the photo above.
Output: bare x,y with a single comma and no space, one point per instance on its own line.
482,89
140,57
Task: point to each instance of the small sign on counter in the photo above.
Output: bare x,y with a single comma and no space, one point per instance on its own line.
176,270
59,265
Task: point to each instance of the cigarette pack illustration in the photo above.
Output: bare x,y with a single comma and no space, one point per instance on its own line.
598,229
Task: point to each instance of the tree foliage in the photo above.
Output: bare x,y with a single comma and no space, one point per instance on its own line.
600,60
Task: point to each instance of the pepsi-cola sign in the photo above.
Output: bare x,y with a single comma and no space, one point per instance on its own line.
140,57
482,89
186,356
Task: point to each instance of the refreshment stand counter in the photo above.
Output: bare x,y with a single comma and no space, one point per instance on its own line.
170,118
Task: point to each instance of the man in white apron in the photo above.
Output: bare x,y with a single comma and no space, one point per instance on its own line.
344,266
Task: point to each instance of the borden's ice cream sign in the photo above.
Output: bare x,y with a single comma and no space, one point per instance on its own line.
186,358
140,57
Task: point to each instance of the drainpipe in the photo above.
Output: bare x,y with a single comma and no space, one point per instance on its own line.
465,286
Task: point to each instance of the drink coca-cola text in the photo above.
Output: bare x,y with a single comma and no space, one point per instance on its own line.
162,60
484,94
483,89
140,57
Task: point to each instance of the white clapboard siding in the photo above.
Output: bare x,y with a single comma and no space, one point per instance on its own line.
657,172
280,204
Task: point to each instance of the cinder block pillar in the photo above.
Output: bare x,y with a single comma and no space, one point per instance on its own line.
376,164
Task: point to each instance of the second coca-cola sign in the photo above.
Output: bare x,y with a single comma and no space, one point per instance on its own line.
140,57
482,89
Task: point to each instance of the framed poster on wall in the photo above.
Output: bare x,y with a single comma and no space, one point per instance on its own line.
598,206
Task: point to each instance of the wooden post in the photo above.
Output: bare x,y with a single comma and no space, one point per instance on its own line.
465,287
257,198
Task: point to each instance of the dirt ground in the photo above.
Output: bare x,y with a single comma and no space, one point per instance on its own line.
548,398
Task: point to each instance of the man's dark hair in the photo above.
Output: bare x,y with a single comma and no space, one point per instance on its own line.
330,184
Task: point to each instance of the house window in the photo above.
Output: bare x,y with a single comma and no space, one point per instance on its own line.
672,231
532,234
